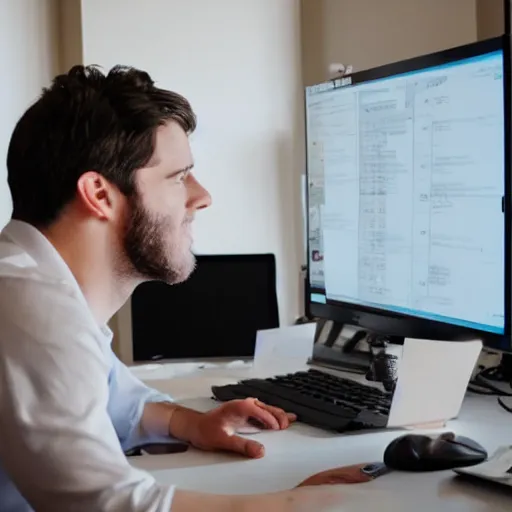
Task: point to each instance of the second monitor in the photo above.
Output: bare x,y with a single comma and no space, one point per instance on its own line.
216,313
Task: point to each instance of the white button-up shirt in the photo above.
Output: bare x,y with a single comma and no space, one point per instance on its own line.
68,407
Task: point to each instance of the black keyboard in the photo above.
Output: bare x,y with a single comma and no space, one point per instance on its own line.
317,398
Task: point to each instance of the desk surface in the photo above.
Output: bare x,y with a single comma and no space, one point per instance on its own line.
301,451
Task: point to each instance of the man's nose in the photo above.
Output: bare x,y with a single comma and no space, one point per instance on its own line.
199,197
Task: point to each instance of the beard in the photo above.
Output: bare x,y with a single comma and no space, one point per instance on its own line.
155,246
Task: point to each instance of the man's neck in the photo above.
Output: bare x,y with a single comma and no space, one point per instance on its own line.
90,253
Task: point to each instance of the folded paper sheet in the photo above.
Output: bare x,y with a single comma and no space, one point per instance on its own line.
432,381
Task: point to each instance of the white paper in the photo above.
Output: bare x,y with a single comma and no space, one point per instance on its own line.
292,342
432,380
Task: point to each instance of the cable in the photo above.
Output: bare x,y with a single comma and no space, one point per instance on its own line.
504,405
481,384
487,387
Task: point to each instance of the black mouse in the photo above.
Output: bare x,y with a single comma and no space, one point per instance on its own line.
422,453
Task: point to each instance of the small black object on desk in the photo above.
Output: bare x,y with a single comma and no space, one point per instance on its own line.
156,448
417,453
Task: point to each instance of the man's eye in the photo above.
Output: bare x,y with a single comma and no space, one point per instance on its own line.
182,176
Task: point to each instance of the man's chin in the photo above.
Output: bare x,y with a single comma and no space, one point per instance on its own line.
183,271
192,265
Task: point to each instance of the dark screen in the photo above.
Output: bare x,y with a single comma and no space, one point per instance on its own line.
215,313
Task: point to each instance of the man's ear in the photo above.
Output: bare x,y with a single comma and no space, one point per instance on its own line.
96,194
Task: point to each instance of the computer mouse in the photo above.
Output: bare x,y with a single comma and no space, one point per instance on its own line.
413,452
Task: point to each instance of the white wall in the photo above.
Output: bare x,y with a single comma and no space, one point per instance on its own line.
28,60
239,64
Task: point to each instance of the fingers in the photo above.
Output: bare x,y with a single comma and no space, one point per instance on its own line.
283,418
269,416
262,415
247,447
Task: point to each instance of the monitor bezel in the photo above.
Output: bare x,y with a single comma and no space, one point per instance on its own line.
396,324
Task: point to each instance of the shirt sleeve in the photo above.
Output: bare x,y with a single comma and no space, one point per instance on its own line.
59,446
128,396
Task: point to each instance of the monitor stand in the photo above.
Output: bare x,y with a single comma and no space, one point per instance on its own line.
347,357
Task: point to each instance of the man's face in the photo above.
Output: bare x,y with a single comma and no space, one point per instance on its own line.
158,238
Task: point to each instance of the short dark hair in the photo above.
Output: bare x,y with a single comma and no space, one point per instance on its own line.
84,121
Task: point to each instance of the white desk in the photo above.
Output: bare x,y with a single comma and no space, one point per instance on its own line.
300,451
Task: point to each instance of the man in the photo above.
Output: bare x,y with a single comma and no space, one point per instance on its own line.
100,172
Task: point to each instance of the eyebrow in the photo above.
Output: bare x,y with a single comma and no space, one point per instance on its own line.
179,171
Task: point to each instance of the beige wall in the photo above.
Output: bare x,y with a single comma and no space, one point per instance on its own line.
70,34
368,33
490,18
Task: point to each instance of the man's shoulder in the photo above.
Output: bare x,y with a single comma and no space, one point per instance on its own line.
42,318
14,259
17,257
27,274
40,299
23,281
33,302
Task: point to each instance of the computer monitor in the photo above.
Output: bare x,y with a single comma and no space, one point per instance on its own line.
216,313
408,196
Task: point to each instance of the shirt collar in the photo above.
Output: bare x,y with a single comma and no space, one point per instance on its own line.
48,259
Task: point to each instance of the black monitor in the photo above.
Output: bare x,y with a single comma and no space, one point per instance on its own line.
408,196
216,313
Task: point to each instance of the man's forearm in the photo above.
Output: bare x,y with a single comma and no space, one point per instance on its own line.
313,500
166,418
189,501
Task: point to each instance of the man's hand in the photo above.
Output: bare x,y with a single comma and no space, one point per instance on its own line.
217,429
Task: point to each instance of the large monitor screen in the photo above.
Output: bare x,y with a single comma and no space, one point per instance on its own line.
406,193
